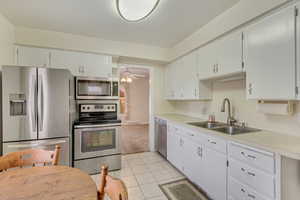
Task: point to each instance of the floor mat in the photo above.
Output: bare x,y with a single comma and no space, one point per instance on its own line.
182,190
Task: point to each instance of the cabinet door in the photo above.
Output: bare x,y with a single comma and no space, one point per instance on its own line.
97,66
189,76
215,174
68,60
194,165
270,57
29,56
168,82
178,78
207,61
172,146
298,54
230,54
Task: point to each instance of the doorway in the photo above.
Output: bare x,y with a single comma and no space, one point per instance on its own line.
134,109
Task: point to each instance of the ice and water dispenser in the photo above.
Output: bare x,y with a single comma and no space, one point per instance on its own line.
17,104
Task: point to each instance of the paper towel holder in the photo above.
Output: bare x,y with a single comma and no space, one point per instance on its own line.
274,102
290,105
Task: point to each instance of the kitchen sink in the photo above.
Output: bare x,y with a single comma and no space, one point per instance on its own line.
234,130
224,128
207,124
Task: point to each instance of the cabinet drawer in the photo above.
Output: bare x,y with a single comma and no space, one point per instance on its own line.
259,180
216,144
260,159
239,191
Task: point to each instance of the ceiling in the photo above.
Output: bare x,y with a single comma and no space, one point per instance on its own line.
170,23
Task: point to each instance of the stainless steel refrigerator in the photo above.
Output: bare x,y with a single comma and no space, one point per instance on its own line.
36,104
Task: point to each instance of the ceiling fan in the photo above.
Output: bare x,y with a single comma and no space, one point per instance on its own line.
127,76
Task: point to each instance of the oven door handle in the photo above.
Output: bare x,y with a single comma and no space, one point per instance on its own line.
96,126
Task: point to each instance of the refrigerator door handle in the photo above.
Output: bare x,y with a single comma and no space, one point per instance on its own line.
41,104
31,145
34,106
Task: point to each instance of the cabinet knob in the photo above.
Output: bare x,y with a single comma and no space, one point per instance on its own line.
250,88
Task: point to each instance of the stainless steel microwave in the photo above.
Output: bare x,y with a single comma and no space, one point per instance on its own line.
96,88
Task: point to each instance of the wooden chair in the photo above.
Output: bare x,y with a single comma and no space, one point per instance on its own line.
114,188
29,157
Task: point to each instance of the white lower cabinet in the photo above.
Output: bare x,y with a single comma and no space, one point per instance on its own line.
224,170
205,167
194,167
215,174
175,148
252,173
239,191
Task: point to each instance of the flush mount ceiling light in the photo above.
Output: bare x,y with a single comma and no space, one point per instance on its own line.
136,10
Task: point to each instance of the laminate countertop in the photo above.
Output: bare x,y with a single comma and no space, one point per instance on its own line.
283,144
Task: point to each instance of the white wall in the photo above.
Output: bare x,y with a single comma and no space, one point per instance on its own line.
51,39
7,39
138,100
241,13
243,109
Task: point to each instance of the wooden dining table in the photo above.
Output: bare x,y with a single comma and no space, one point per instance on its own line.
47,183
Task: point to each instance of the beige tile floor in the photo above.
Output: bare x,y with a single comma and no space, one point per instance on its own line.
142,174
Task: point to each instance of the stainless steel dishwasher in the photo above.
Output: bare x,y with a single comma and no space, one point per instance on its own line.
161,135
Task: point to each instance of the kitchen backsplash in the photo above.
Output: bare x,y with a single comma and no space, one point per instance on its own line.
243,109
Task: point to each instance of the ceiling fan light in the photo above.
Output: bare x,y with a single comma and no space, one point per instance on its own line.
123,80
135,10
129,80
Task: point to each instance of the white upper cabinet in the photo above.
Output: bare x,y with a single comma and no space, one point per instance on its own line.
97,65
79,64
207,61
68,60
28,56
82,64
169,93
270,57
230,58
298,54
182,81
222,57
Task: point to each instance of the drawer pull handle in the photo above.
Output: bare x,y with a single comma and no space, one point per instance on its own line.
251,196
251,174
243,169
250,156
243,190
213,142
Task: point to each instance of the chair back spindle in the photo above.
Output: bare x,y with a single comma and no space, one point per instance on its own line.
114,188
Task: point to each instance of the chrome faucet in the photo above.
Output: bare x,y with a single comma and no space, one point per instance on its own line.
230,119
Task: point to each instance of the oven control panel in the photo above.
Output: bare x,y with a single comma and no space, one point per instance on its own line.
86,108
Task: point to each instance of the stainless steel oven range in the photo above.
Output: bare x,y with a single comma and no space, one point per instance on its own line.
97,137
